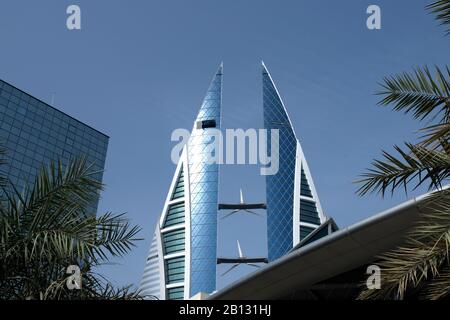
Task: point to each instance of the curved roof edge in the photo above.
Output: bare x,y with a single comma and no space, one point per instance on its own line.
311,263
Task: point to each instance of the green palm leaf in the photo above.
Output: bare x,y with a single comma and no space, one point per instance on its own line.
49,226
418,164
421,264
419,93
442,10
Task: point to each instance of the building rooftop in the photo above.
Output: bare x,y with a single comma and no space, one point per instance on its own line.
50,106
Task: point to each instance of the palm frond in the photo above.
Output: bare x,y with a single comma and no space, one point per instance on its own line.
421,263
436,136
49,227
417,163
442,10
54,212
94,287
440,286
419,93
421,259
115,235
75,186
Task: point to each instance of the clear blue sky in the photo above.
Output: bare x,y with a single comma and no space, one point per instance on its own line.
139,69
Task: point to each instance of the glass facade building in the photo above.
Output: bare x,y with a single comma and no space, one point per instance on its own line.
204,185
34,133
293,207
183,254
182,258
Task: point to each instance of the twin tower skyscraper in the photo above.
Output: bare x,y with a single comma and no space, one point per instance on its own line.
183,254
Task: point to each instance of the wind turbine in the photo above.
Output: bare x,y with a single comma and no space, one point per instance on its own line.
241,206
241,259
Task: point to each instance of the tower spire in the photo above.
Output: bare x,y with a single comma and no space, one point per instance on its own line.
188,223
293,207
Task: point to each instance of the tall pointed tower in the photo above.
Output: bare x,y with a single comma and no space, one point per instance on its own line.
182,258
293,207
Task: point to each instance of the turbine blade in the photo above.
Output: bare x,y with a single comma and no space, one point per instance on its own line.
252,212
241,255
242,196
233,267
229,214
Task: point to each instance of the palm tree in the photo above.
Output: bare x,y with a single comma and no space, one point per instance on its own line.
49,227
421,265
